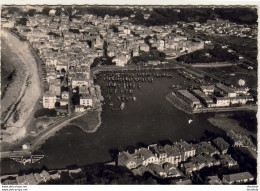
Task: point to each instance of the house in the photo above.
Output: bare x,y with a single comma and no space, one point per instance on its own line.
174,154
145,156
227,160
221,144
243,177
189,167
54,175
127,160
49,100
213,180
159,152
171,170
45,175
86,101
157,170
188,149
205,148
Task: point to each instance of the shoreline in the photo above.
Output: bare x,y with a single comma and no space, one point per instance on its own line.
32,83
91,128
183,106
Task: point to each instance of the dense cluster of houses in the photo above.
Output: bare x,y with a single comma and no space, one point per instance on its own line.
217,95
225,27
77,176
68,47
182,159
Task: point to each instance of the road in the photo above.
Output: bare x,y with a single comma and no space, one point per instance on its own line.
51,130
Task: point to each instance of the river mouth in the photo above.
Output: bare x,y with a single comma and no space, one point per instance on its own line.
149,119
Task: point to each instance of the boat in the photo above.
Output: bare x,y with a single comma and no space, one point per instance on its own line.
134,98
190,120
122,106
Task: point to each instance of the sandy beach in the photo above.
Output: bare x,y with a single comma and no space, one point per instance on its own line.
21,97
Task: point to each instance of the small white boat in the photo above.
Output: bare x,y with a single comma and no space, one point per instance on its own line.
122,106
190,120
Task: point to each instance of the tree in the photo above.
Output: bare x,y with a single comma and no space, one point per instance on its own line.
31,12
46,10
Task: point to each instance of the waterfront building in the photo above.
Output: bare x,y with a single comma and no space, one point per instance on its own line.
207,89
240,140
49,100
188,149
189,98
221,144
242,177
203,97
226,91
127,160
86,101
146,156
174,154
159,152
222,101
241,90
241,100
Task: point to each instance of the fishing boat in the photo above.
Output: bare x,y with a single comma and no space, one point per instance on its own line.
122,106
134,98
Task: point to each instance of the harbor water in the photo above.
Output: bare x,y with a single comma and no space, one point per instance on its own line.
147,119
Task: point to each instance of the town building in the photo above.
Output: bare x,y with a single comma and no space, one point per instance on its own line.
86,101
207,89
189,98
237,178
49,100
226,91
221,144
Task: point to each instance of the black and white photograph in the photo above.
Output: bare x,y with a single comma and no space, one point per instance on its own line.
129,94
